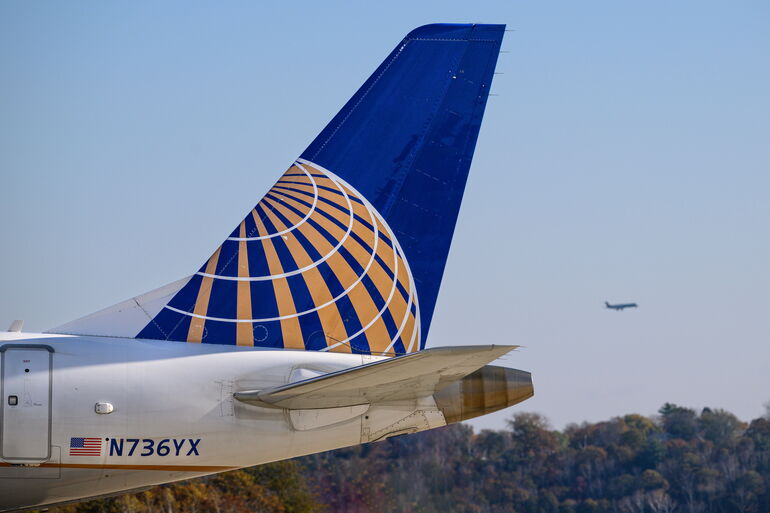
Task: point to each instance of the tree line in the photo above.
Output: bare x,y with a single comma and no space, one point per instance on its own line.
681,460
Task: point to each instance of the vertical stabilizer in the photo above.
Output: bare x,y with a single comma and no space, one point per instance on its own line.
347,250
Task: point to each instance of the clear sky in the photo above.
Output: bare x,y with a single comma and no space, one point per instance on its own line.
625,158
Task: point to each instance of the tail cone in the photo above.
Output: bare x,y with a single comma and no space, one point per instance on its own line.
489,389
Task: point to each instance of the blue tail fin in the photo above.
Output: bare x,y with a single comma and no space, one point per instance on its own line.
346,252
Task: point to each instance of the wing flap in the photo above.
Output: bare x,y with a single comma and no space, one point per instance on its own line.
401,378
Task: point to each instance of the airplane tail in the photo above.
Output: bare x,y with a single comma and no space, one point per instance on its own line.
346,252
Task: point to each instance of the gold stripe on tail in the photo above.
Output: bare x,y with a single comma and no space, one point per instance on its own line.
244,335
195,333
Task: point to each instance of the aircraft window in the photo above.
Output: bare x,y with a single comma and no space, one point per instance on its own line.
13,400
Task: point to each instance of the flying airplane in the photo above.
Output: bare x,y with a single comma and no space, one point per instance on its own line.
620,306
305,330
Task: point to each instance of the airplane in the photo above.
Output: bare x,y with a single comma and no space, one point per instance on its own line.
620,306
305,330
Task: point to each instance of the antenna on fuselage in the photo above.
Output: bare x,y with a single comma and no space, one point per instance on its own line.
16,326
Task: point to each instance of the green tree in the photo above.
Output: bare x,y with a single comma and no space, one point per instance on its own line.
679,422
746,491
652,480
719,426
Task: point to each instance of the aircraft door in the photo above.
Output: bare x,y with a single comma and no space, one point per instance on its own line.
26,409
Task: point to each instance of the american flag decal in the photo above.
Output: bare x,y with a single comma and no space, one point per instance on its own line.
82,446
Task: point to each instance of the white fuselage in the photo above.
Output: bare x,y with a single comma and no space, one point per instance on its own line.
174,416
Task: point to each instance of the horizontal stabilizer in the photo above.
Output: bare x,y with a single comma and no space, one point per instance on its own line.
397,379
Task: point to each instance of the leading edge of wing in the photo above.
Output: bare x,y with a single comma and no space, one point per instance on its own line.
405,377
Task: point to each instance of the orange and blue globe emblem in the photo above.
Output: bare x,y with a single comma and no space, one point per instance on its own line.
312,266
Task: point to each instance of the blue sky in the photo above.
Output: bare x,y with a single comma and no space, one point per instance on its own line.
625,158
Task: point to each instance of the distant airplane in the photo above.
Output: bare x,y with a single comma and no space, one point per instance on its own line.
305,331
619,307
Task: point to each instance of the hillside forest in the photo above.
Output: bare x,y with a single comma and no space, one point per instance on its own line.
681,461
